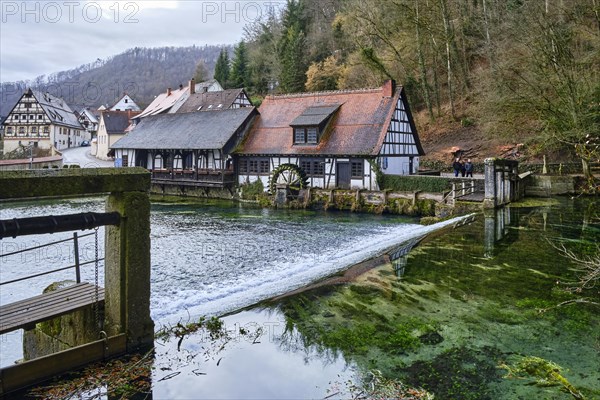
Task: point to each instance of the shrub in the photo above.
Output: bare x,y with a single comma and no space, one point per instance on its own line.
415,183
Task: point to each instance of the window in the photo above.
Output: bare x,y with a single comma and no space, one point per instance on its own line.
126,100
16,116
263,166
22,130
306,135
34,129
253,166
358,169
23,117
46,129
31,116
40,116
27,105
243,166
125,160
313,167
9,130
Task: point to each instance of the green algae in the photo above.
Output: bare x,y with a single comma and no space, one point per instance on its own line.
460,309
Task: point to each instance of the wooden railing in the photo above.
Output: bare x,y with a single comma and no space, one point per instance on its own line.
194,177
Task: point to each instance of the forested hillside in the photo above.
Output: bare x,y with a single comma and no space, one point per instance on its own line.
491,77
508,71
141,72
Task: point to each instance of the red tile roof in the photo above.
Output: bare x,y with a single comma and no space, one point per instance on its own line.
357,128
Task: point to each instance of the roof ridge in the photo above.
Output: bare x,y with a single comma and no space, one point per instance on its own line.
325,92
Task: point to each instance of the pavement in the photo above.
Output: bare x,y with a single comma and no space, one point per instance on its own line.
82,156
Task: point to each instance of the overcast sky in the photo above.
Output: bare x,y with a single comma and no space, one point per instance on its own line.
42,37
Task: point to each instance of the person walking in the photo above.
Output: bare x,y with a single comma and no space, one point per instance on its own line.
469,168
456,167
463,170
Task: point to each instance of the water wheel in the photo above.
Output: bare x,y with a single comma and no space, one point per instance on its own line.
289,175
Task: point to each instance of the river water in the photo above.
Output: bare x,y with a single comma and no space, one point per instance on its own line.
208,258
451,316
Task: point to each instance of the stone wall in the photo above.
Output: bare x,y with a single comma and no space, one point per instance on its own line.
549,185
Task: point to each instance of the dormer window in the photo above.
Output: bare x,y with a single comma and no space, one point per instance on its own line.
306,135
309,126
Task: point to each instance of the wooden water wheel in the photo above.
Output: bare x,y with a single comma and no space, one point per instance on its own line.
290,175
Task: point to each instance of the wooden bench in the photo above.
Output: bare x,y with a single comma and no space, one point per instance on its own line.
28,312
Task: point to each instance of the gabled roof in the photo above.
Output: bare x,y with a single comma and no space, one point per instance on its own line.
357,128
116,122
186,131
172,100
211,101
56,109
125,103
89,115
163,102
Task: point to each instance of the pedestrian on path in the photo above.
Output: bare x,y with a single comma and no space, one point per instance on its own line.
456,166
469,168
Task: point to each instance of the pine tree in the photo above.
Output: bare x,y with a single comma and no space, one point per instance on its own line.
222,68
292,48
240,72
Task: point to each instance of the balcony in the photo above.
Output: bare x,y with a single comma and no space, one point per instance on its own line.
194,177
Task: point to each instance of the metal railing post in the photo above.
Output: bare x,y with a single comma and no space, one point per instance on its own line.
76,251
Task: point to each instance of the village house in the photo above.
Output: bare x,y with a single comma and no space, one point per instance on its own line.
336,139
89,121
125,103
171,100
112,127
187,149
215,101
44,121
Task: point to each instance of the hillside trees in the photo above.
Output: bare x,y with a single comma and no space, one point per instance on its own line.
240,70
222,68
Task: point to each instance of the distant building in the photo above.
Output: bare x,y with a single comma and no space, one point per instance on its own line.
44,120
336,139
112,127
125,103
89,121
171,100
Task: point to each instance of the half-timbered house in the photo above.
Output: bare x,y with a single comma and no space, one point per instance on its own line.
42,120
187,149
89,120
336,139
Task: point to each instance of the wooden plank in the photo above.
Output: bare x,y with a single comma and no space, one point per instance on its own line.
47,297
47,306
40,369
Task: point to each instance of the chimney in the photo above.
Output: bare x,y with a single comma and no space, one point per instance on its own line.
388,88
168,91
192,86
180,86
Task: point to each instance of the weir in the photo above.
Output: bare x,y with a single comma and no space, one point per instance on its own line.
127,323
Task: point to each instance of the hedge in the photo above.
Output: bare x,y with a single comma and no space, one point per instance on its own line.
415,183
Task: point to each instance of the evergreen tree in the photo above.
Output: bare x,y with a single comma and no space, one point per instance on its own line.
240,72
222,68
292,48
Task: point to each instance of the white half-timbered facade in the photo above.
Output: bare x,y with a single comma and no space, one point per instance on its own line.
44,121
334,139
